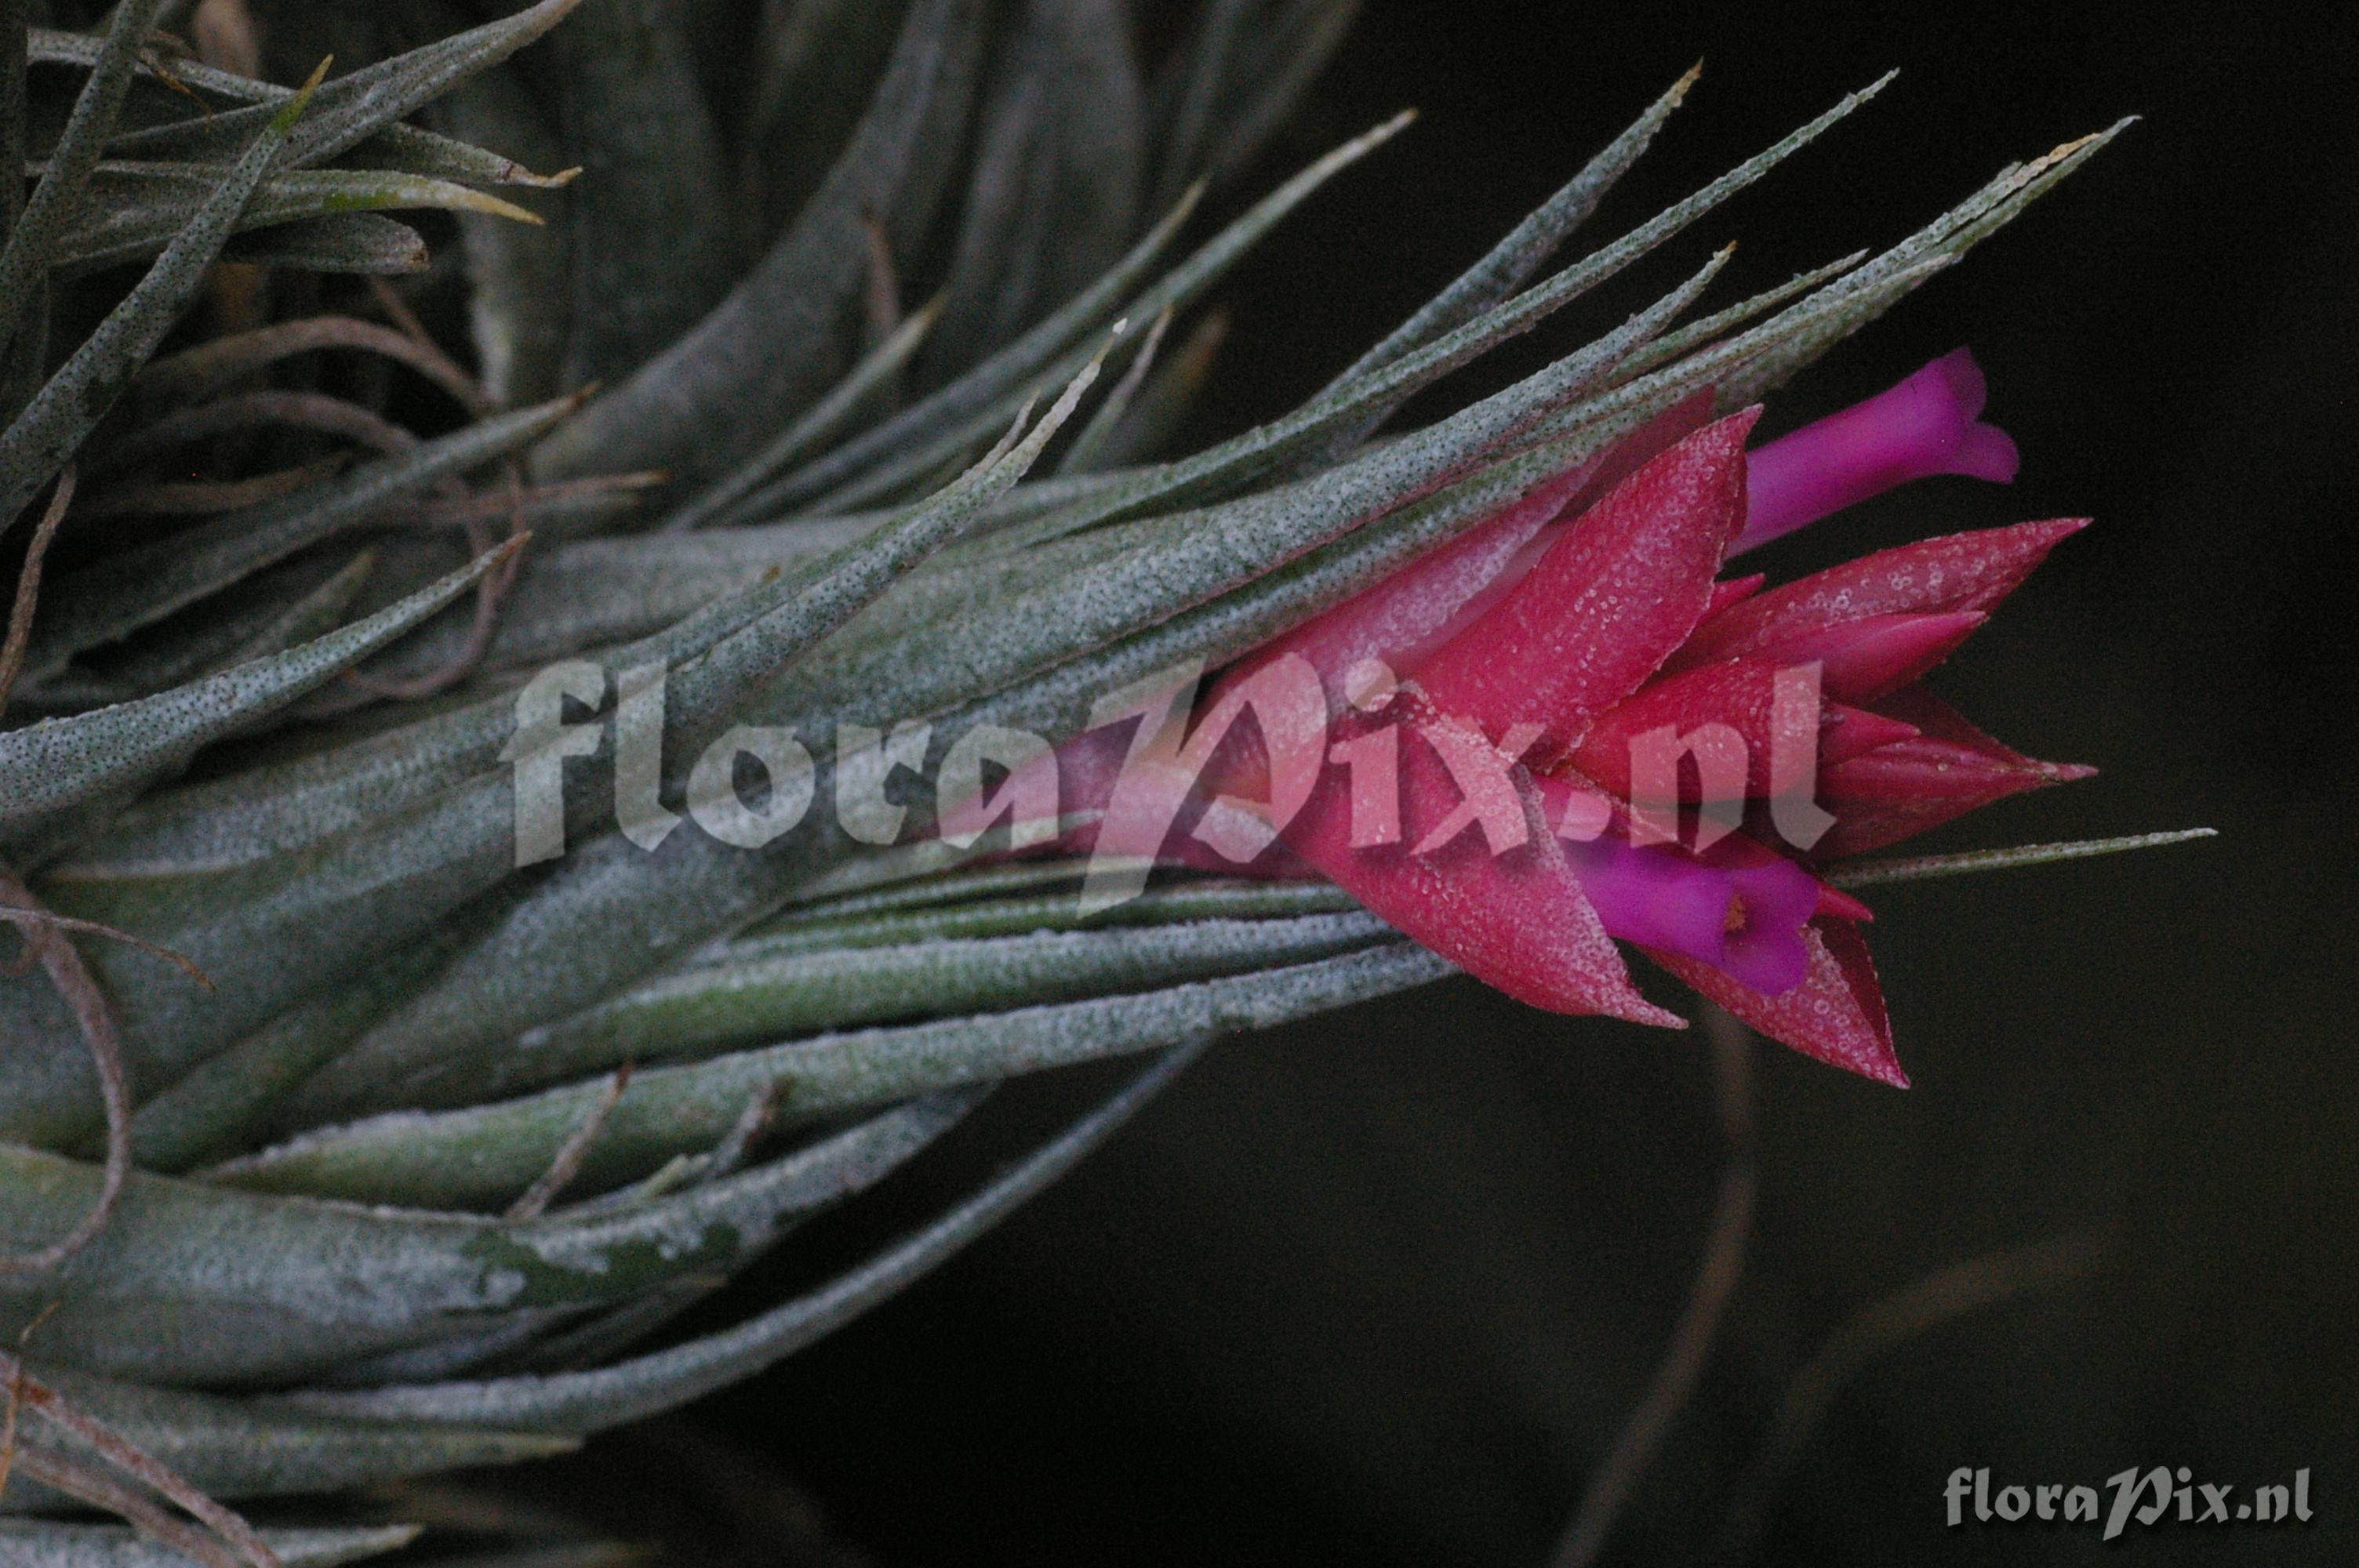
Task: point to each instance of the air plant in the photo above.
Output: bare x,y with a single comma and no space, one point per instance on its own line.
414,1018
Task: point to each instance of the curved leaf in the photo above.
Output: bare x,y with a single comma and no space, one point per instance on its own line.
61,762
45,437
609,1396
196,1283
483,1153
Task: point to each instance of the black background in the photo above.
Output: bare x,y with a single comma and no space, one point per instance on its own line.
1379,1290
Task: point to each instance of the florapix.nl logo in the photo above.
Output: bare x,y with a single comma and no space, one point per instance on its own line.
1166,766
2146,1497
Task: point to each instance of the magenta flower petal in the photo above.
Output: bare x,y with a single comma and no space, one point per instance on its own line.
1836,1014
1517,920
1947,769
1744,922
1926,425
1957,573
1733,590
1854,731
1862,660
1739,694
1614,597
1403,618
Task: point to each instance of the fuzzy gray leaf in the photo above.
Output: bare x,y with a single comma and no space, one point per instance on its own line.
483,1153
47,767
593,1400
45,437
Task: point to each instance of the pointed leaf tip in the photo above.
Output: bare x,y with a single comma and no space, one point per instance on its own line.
292,110
1919,868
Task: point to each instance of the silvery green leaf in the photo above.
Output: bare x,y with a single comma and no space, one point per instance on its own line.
739,997
60,762
355,106
981,391
485,996
130,589
595,593
1917,868
483,1153
1058,171
245,1448
247,817
972,904
45,437
662,905
653,232
136,208
778,341
33,236
1106,588
303,618
1505,265
183,649
1151,426
927,888
647,909
1945,240
1229,86
608,1396
1086,449
722,502
359,242
817,63
1355,402
268,930
28,1543
225,1105
24,305
1174,291
1682,340
520,302
1056,700
394,145
199,1282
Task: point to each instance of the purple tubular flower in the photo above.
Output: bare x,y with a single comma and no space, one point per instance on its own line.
1927,425
1744,921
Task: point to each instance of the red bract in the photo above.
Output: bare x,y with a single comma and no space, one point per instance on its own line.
1560,728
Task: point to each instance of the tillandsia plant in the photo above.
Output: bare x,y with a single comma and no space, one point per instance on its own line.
503,832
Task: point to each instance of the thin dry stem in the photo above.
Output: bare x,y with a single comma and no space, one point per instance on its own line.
314,411
491,595
1111,412
8,1425
881,297
88,1484
29,586
16,1395
567,1165
212,367
73,979
188,966
48,1403
427,356
1883,1326
205,496
750,1123
492,505
1724,1263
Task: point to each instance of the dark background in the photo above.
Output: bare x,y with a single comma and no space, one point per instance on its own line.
1380,1290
